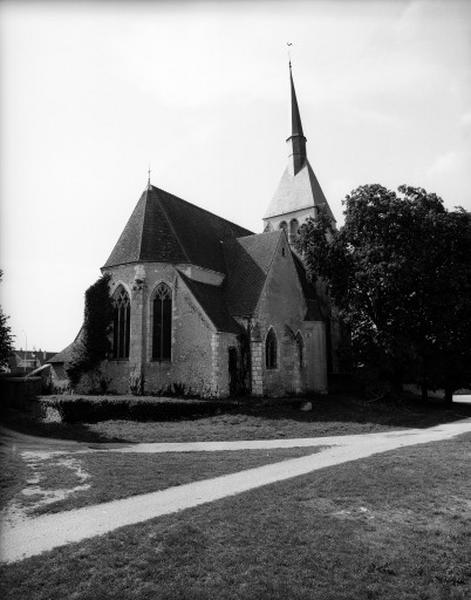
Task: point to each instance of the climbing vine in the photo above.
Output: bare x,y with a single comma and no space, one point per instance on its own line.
93,344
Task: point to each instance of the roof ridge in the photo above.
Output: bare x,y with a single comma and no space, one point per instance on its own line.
145,195
313,181
280,233
254,235
170,224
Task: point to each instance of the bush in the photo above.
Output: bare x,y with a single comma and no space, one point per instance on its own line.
75,409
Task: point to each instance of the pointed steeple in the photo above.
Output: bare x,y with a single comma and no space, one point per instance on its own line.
296,141
299,194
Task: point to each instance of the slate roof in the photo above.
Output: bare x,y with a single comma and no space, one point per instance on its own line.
296,192
314,312
65,355
165,228
211,299
248,261
296,126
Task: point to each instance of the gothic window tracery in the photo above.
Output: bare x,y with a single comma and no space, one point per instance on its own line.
271,350
121,324
162,323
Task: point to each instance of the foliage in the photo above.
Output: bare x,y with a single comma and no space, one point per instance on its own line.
6,338
90,409
92,345
399,271
136,383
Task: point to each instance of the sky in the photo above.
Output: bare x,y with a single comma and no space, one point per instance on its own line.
94,92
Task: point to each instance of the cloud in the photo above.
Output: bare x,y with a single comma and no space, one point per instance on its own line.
445,163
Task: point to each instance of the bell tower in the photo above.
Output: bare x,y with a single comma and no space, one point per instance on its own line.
299,194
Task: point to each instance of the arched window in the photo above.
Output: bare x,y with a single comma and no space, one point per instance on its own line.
293,229
162,323
283,225
121,323
300,347
271,350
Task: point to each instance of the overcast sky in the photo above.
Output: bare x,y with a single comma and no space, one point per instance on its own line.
91,93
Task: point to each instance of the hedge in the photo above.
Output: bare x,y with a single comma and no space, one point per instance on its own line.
74,409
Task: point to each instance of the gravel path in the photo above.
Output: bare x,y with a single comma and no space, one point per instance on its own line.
53,530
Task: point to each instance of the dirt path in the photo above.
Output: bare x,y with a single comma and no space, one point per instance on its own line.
53,530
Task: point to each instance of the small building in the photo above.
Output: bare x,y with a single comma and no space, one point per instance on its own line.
22,362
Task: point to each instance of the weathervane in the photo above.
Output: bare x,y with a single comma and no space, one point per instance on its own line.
148,177
289,44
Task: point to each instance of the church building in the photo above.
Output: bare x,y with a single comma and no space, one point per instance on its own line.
203,306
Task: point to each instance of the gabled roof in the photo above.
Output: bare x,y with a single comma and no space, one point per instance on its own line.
211,300
297,192
248,261
165,228
65,355
314,312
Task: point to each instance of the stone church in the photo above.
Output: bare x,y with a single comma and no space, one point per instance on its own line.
205,307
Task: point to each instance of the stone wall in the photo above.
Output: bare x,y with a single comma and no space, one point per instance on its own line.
282,308
199,354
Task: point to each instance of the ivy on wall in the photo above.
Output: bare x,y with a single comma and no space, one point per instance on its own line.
93,344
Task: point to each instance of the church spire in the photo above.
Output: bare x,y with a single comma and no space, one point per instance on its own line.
297,141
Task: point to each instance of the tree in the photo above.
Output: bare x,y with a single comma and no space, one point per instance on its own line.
399,272
93,344
6,338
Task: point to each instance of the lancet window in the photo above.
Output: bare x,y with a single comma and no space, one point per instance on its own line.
300,347
162,323
121,324
271,350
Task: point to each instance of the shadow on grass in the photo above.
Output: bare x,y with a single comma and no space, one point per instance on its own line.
409,411
336,414
28,424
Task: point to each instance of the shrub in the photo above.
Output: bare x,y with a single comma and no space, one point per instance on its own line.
74,409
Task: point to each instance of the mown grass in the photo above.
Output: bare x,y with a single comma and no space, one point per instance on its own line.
113,476
393,526
12,474
332,415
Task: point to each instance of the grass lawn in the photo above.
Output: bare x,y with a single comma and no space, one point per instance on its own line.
113,475
331,415
394,526
12,474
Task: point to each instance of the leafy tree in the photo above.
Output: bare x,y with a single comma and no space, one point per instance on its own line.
6,338
399,271
92,345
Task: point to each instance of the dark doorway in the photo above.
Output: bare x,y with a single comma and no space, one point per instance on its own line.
235,384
